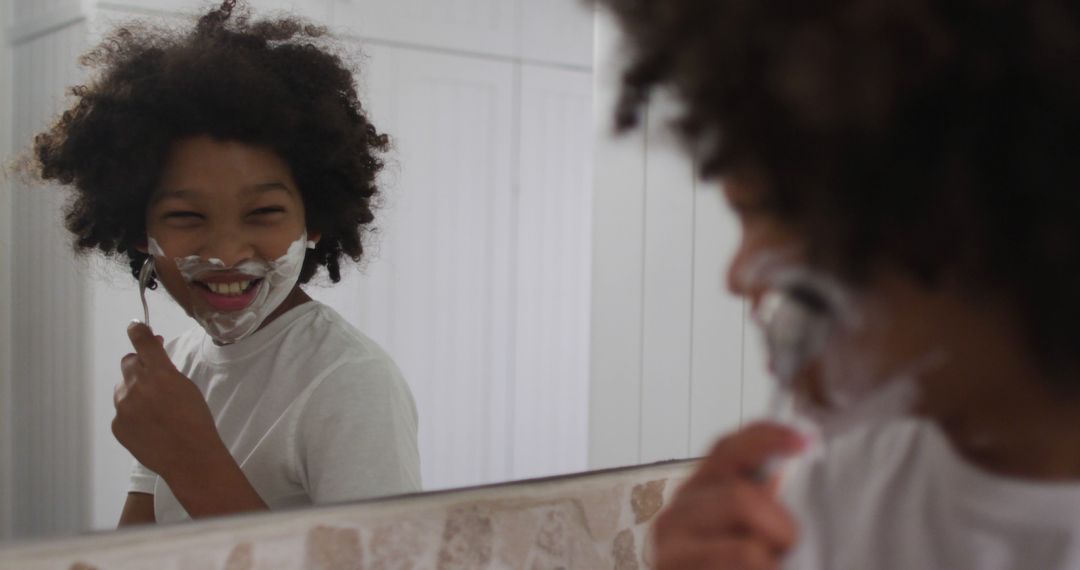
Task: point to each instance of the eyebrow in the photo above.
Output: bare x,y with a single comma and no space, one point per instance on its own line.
269,187
260,188
164,194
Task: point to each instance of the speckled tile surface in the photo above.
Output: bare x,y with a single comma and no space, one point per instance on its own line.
592,521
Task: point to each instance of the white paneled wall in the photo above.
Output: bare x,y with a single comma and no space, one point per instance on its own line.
444,259
50,443
553,255
489,27
479,285
674,363
6,91
477,281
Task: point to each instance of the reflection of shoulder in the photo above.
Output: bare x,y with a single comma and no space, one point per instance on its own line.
328,336
340,354
372,387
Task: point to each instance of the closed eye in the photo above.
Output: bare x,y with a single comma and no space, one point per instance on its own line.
267,211
181,214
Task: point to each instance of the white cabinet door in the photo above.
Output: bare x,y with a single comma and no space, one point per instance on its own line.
318,10
675,362
437,289
478,26
28,12
557,31
553,266
27,20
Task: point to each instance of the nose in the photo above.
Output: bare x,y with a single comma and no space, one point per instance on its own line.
737,281
228,244
743,272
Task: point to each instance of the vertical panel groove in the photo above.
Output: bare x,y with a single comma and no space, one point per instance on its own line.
642,349
510,398
742,365
693,295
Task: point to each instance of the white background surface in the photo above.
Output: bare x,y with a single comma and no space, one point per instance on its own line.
674,363
5,276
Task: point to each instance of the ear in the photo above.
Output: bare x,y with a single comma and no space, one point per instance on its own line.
143,246
313,238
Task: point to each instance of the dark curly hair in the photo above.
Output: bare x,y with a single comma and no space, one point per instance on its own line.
941,137
268,83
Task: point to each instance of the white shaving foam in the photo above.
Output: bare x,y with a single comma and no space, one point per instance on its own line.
278,279
857,387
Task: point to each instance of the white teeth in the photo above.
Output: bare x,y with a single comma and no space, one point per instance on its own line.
229,289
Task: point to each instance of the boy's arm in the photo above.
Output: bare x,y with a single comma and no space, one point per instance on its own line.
164,421
138,509
215,486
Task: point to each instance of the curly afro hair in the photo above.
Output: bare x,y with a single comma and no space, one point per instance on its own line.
267,83
939,137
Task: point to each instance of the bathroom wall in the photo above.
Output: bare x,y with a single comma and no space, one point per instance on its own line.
589,522
5,270
478,283
50,445
675,361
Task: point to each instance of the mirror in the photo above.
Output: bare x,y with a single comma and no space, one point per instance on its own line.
553,295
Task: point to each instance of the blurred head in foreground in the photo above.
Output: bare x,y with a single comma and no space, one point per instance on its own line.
921,154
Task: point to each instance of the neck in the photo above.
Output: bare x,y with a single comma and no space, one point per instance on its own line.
1016,425
296,298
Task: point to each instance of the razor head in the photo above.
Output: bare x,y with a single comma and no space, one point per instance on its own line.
797,321
146,272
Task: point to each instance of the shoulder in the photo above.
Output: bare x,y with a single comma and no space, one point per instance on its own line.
369,391
325,336
348,368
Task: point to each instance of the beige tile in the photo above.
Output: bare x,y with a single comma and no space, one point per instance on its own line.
647,499
329,548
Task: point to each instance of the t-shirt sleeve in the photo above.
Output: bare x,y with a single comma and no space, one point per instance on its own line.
142,479
356,435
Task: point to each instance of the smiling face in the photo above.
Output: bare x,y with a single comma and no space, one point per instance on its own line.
227,201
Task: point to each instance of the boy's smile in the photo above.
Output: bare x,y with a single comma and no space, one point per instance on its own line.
229,292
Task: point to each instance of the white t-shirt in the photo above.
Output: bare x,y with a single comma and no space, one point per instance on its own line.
899,497
312,410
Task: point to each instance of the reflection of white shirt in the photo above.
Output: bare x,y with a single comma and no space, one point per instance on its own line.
899,497
312,410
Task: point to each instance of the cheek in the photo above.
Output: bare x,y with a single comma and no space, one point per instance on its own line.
169,277
276,245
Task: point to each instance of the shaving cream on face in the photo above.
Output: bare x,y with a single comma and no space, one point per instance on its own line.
840,336
276,280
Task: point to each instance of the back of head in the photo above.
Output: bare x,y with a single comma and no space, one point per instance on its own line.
940,137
